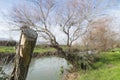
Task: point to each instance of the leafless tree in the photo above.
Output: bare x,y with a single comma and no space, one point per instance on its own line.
41,15
73,14
100,36
69,21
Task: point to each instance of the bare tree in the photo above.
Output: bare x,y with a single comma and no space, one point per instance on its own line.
69,21
41,15
100,36
74,13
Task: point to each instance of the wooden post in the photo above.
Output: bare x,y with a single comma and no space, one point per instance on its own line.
24,53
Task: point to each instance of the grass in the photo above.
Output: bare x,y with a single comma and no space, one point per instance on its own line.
4,49
106,68
42,50
38,49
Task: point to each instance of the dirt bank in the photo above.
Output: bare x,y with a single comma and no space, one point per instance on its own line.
72,76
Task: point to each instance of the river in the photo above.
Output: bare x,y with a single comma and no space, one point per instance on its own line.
47,68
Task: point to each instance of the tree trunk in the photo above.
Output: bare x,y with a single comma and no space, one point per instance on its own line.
24,54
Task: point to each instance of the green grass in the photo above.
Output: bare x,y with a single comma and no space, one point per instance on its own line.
38,49
5,49
42,50
106,68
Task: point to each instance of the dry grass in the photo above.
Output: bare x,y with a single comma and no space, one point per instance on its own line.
72,76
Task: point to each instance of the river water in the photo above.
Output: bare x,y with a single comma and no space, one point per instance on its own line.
48,68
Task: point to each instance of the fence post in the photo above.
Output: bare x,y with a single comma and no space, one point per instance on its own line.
24,53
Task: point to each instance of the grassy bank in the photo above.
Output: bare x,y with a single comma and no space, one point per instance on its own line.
4,49
106,68
38,49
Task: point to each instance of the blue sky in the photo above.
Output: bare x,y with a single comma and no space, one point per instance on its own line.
5,8
6,5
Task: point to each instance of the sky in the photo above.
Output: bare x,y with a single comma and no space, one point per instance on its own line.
5,32
6,6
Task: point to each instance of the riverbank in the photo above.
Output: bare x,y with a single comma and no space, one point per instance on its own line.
7,53
107,67
10,56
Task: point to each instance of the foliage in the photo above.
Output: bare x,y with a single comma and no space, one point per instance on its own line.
7,43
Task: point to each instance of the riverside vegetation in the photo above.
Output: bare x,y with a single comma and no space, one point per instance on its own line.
105,66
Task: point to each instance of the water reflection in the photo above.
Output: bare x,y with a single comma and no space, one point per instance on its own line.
46,68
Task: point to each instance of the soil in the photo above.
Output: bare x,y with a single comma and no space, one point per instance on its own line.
72,76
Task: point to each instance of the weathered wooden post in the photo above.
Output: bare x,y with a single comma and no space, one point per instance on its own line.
24,53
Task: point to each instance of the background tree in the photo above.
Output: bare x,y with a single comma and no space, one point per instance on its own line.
99,35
